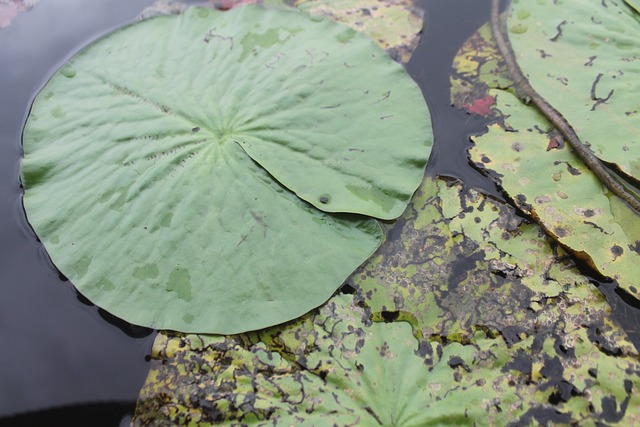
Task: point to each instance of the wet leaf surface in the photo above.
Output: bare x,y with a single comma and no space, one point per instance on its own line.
522,338
541,175
215,182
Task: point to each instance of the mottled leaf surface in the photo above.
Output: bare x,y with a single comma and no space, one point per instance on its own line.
510,331
477,66
516,336
178,193
539,171
584,58
556,188
334,368
395,25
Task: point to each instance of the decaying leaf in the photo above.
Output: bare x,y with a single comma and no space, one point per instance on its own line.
509,331
477,66
395,25
584,59
529,341
332,368
182,193
541,175
557,189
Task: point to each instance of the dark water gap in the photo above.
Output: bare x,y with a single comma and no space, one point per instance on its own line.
61,362
447,27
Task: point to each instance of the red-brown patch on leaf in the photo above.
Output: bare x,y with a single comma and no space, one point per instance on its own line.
554,143
481,106
229,4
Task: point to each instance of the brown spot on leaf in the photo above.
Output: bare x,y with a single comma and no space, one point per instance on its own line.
616,251
545,198
560,232
573,171
554,143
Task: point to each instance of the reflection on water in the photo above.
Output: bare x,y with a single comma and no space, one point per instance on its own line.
56,352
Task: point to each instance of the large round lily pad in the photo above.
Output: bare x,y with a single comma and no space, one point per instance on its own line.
208,172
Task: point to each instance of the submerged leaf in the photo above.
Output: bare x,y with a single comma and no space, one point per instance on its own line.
183,192
556,356
477,66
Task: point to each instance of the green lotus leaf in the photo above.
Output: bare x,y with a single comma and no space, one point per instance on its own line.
584,58
634,4
183,171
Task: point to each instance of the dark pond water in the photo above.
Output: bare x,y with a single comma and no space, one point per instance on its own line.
57,354
61,358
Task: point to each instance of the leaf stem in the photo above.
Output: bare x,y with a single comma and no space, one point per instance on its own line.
528,94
